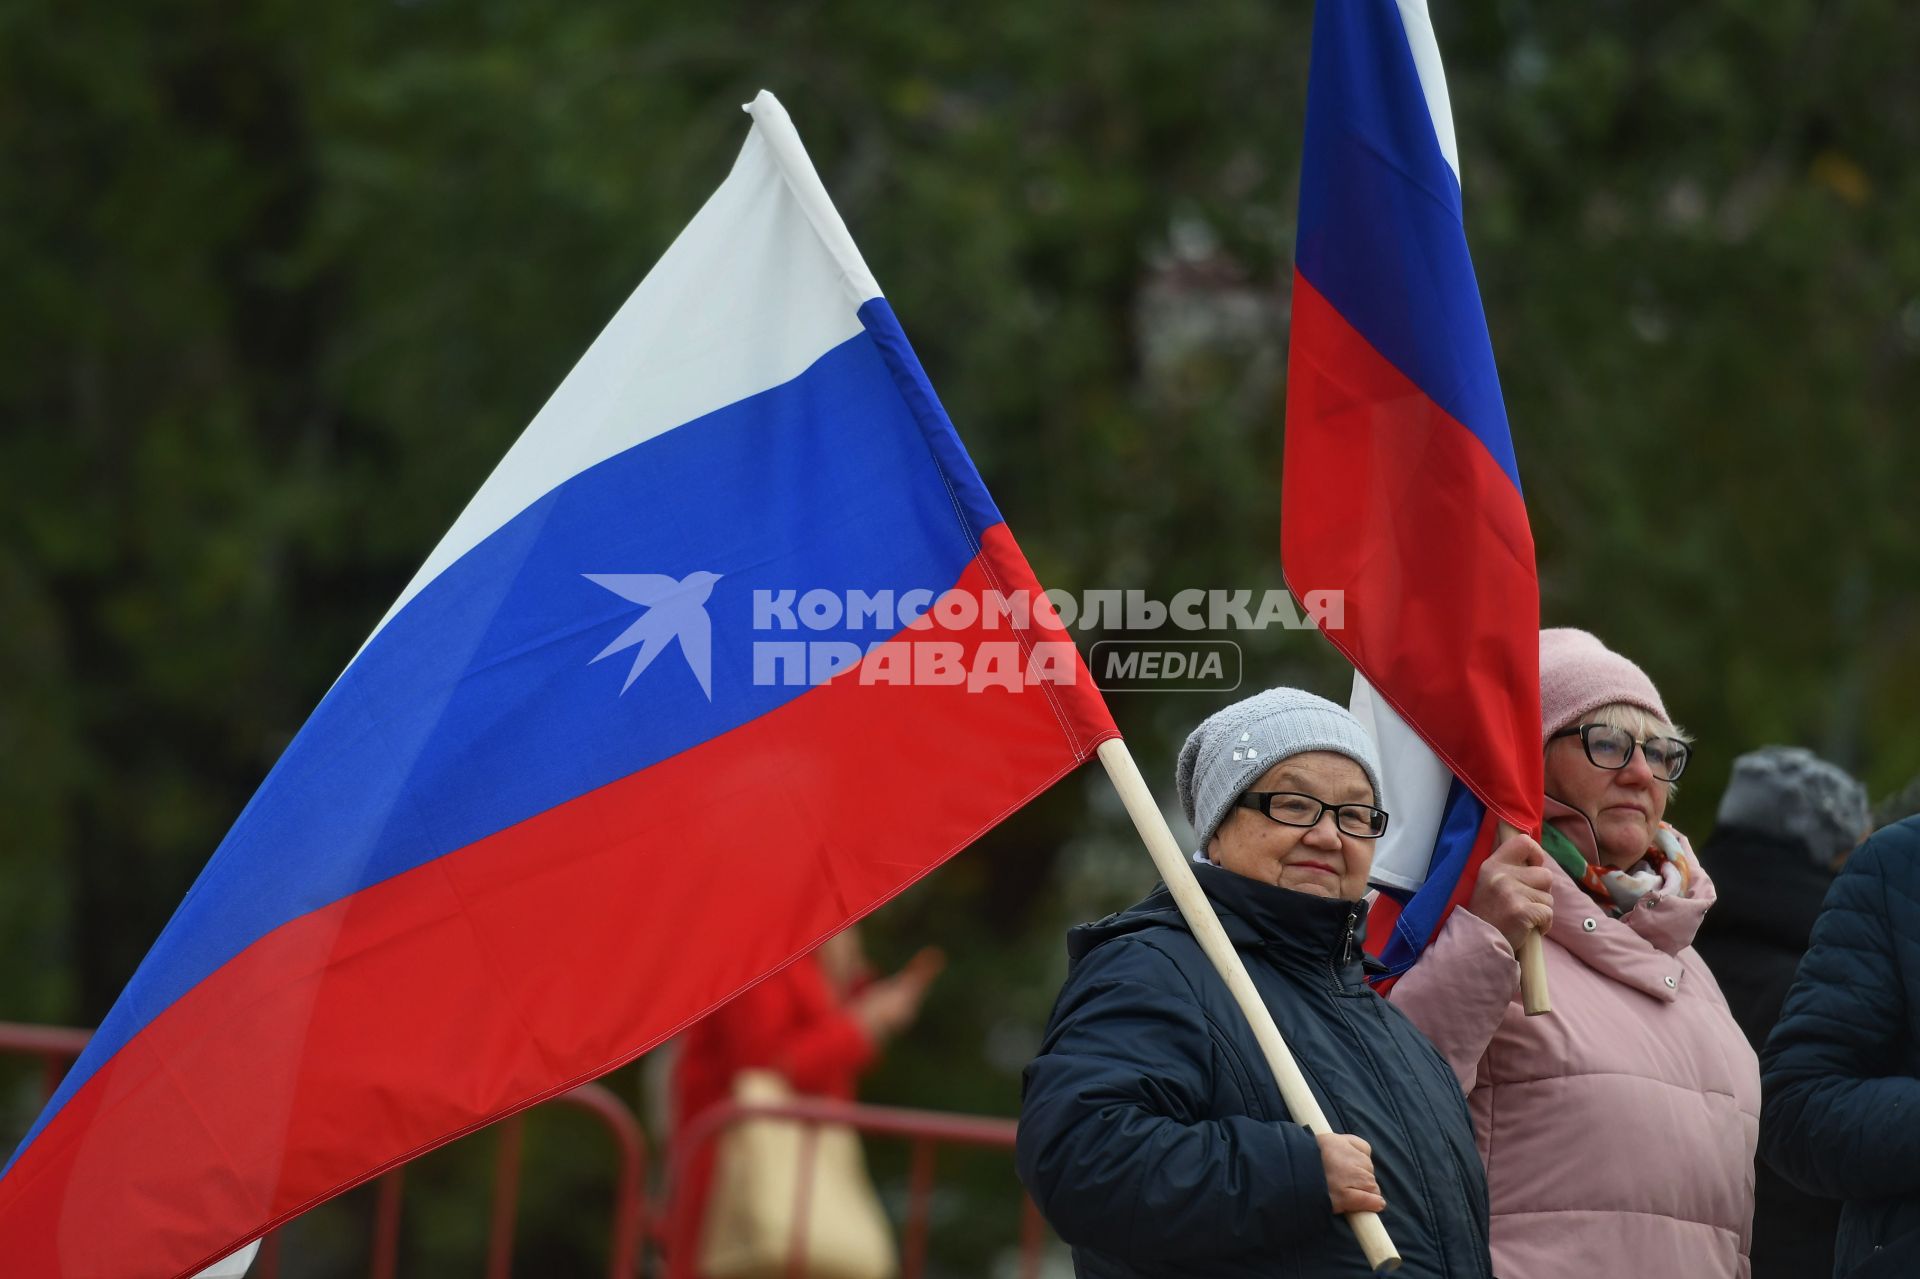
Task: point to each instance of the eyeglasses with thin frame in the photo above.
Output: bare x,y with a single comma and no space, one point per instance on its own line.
1612,748
1291,808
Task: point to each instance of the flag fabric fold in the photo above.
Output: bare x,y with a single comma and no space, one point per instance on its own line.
679,695
1400,486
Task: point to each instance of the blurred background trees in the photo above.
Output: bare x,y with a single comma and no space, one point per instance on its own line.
283,283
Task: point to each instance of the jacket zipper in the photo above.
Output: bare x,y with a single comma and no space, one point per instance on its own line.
1458,1186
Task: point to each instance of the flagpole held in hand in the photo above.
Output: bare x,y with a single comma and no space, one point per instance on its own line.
1535,999
1171,862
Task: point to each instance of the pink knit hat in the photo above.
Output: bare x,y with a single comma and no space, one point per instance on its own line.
1579,675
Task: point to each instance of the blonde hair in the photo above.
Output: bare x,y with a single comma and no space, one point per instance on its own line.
1639,721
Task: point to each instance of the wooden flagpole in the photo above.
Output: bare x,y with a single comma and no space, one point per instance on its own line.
1172,864
1534,997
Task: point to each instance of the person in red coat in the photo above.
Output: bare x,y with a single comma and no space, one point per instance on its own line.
820,1022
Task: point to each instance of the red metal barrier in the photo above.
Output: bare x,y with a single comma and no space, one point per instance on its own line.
924,1129
55,1046
58,1046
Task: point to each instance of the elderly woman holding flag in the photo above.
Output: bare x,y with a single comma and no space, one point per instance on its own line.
1151,1133
1619,1130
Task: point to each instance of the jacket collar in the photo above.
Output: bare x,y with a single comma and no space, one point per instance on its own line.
1291,926
1641,948
1296,929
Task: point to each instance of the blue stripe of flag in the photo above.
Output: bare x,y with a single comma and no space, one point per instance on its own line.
1424,912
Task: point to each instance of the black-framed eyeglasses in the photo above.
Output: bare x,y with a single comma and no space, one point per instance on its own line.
1291,808
1612,748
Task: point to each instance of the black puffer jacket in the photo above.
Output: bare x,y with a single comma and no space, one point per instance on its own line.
1769,897
1152,1134
1841,1071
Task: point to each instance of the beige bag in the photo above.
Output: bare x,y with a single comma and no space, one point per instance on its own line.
756,1189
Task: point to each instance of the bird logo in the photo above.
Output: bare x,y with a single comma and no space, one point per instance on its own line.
675,609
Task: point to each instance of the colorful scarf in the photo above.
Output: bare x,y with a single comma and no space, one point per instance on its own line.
1666,867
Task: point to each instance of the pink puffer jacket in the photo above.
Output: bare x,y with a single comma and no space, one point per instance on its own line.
1619,1129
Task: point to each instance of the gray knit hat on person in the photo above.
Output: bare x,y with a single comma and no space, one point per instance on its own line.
1790,793
1234,745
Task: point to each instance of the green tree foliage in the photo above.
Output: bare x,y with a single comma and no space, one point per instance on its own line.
284,282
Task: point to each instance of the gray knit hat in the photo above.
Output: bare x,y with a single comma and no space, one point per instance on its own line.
1237,743
1790,793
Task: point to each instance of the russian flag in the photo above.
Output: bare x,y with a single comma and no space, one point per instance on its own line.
699,676
1400,486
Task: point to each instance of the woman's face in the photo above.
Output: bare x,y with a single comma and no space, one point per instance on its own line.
1320,859
1626,804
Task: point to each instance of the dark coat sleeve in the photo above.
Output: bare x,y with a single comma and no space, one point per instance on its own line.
1116,1144
1839,1116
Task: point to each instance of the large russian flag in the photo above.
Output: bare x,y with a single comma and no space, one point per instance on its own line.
1400,485
576,790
